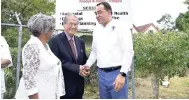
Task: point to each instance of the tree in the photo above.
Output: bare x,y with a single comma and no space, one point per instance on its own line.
182,21
160,55
25,9
166,22
187,3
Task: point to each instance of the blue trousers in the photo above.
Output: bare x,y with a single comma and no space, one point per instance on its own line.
106,87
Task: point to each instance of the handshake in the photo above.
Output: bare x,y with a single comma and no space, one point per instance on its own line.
84,70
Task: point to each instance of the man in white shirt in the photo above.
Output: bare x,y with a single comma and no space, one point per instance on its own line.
112,47
6,61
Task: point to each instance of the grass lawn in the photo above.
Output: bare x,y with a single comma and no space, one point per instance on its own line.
178,89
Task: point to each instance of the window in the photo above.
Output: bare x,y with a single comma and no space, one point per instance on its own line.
150,31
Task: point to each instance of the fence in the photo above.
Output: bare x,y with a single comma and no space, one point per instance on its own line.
17,40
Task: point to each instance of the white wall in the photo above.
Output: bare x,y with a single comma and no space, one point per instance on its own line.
134,31
151,28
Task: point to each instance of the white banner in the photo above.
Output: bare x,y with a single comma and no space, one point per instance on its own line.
84,10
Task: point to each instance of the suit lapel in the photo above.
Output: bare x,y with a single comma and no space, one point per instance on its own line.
64,40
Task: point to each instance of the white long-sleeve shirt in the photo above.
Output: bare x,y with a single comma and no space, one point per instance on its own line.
112,46
5,54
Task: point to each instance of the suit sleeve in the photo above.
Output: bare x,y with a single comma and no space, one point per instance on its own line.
54,47
53,44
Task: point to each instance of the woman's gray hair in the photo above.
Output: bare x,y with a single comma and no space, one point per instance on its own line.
39,24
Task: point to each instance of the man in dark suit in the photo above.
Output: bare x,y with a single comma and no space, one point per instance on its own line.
70,49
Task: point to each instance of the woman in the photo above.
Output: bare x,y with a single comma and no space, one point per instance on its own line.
42,73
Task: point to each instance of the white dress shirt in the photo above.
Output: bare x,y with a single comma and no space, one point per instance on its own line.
112,46
5,54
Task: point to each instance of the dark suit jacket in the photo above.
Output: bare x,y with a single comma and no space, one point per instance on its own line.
59,44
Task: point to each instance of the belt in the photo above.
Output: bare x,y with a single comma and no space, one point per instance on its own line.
110,68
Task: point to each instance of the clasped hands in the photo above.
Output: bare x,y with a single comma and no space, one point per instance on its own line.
84,70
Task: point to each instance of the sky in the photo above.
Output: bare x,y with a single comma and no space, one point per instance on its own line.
149,11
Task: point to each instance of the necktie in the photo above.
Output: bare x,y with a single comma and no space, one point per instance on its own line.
73,48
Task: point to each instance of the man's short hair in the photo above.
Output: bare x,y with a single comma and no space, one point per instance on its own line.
106,6
67,16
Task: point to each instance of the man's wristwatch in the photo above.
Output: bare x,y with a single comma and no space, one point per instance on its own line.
123,74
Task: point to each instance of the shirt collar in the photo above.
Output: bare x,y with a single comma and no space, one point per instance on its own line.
69,37
109,24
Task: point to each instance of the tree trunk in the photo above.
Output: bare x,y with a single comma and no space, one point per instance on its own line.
155,85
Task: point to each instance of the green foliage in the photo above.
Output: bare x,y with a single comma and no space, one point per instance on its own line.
182,21
11,36
25,9
186,84
166,22
187,3
164,54
88,50
92,78
87,39
10,76
161,55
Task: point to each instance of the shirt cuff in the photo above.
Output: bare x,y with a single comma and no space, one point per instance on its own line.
10,64
125,70
88,64
32,91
